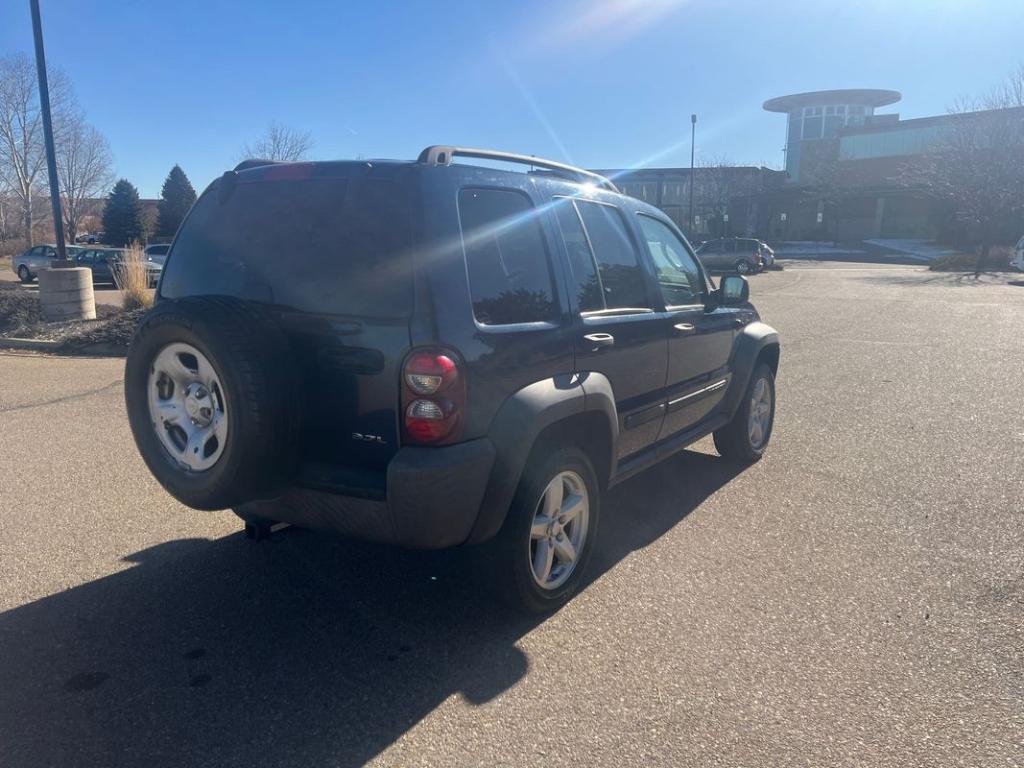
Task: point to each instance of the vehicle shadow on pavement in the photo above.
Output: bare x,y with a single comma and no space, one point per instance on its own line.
301,650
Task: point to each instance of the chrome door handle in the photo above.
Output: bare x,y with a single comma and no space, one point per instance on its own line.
600,340
684,328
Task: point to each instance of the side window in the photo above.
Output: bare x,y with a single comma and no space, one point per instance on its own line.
87,256
509,272
619,272
679,276
581,260
50,253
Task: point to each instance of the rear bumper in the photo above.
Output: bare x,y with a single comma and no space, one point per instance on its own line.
432,499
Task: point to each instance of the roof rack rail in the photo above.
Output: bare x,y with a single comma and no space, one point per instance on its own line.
255,163
441,154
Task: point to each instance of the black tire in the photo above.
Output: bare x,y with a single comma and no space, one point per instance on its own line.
251,357
733,440
508,557
24,275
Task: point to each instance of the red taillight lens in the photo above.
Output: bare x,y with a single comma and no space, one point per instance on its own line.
433,397
427,372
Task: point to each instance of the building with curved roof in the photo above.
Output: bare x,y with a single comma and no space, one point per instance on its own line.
817,115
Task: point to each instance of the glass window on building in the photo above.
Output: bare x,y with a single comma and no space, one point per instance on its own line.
812,127
675,192
832,125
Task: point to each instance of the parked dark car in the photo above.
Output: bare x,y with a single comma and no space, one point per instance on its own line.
105,262
433,354
732,254
101,261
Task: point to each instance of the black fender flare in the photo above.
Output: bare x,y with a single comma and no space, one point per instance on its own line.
516,426
754,339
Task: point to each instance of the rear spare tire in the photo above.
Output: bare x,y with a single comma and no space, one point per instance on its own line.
212,401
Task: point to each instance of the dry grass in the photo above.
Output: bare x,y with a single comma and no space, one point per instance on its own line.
998,260
132,279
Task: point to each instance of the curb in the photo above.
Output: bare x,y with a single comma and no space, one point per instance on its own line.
62,348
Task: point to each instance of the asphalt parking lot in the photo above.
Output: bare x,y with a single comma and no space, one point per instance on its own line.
856,598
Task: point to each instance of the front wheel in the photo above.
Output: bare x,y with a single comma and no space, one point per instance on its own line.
24,275
746,436
744,267
541,552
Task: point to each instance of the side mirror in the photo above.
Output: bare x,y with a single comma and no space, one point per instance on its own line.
733,290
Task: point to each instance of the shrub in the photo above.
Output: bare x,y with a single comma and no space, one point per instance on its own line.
998,259
132,278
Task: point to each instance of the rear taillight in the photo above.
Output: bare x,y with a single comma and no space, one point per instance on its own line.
433,397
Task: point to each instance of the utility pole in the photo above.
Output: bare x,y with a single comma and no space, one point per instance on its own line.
65,291
693,136
51,158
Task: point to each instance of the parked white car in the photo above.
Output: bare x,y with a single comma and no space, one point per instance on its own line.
1017,260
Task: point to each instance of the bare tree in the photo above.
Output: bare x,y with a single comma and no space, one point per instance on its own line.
83,169
280,142
977,164
716,183
22,152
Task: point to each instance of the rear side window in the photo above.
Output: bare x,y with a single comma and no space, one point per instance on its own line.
509,271
618,264
325,245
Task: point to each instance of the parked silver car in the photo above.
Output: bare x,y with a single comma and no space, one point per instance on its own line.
732,254
28,263
1017,259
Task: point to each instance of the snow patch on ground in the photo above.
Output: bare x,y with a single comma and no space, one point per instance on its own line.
809,249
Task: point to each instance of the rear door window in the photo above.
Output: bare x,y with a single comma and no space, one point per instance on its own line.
619,272
335,245
510,279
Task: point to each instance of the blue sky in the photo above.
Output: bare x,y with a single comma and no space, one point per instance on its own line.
601,83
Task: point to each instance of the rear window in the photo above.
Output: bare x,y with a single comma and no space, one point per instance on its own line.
509,271
327,245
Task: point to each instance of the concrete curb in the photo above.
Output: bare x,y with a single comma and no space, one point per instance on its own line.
62,348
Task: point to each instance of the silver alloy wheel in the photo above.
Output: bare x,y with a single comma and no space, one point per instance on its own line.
187,406
742,267
760,420
559,530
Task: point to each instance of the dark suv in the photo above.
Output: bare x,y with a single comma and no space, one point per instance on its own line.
433,354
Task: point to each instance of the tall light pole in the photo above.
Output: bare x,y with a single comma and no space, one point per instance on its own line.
51,159
65,291
693,136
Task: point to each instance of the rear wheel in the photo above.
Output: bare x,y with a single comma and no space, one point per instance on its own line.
540,554
746,436
24,275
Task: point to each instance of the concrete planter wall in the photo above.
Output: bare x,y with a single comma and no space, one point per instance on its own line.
66,294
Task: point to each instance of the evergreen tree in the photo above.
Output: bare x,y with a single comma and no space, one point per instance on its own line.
123,220
176,198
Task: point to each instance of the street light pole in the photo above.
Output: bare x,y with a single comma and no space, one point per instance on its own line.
51,159
693,135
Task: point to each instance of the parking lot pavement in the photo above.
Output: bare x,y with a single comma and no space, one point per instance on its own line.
856,598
